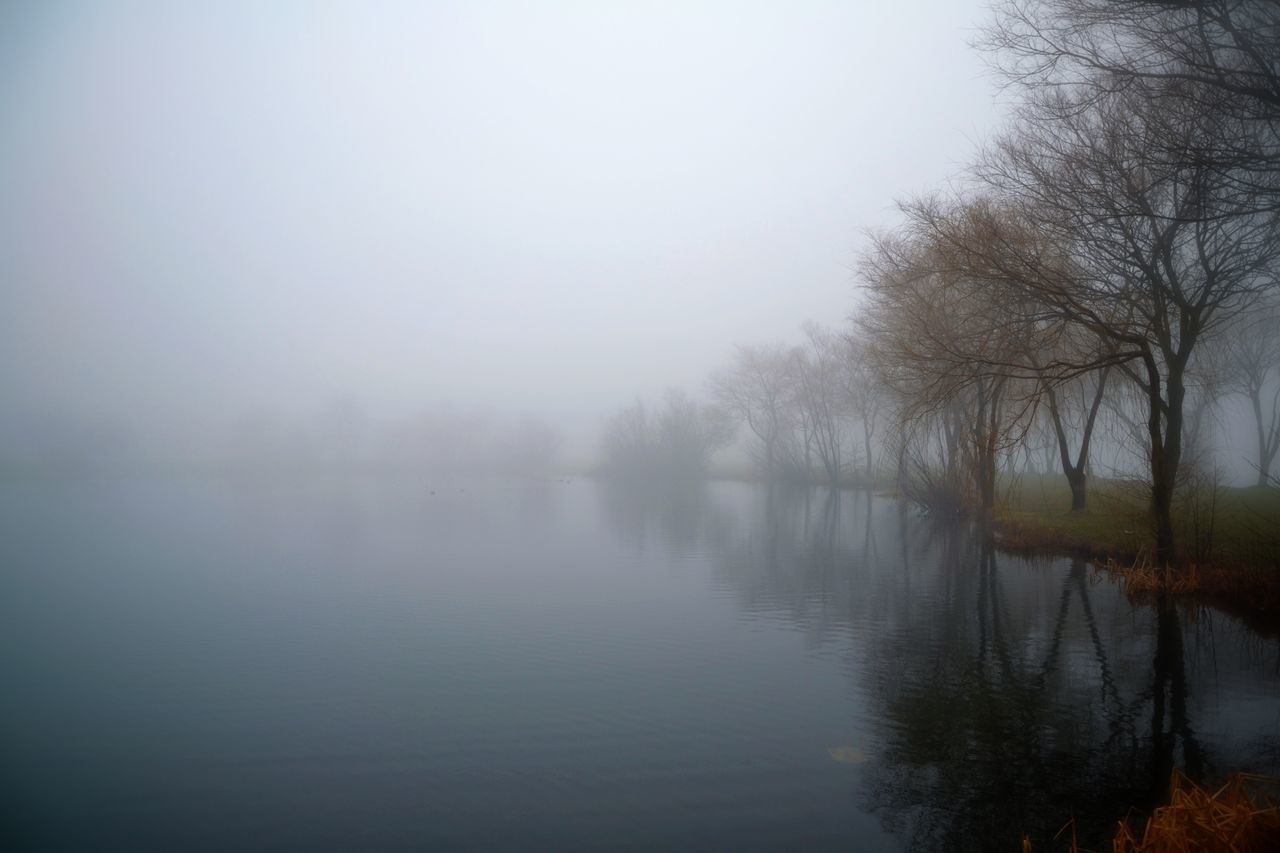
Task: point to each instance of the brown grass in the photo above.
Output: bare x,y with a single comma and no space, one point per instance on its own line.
1213,584
1238,817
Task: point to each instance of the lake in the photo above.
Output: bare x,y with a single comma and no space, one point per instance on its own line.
413,664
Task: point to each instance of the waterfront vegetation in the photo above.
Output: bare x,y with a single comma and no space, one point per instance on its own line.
1090,296
1230,539
1225,526
1241,816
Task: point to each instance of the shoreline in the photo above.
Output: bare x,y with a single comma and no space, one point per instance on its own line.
1241,579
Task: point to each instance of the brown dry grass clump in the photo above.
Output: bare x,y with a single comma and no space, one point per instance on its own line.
1238,817
1260,587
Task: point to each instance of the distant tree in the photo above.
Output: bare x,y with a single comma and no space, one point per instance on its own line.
754,390
820,393
1252,355
629,443
866,396
677,442
689,432
528,447
444,439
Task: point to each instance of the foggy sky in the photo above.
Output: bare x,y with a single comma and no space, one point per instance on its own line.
545,208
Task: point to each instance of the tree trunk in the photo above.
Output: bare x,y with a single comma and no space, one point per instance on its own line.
902,469
1267,443
1166,450
1077,479
1075,473
987,481
866,443
987,454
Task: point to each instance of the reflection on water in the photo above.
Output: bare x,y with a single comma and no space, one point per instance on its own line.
1007,694
398,665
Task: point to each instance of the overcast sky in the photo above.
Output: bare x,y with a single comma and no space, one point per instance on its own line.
209,209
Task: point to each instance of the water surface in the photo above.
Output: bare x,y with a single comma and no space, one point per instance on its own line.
359,664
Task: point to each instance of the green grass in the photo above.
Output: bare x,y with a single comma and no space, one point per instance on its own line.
1226,527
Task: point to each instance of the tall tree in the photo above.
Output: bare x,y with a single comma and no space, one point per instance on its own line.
1219,57
1148,255
952,350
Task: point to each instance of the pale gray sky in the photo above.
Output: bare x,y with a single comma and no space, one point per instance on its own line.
208,209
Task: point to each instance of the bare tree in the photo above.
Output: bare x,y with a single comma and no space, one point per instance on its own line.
866,397
629,440
755,390
675,443
1252,353
528,447
1149,256
953,351
1076,416
1219,57
819,393
688,432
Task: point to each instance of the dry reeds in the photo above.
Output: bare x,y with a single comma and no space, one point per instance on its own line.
1238,817
1260,587
1143,577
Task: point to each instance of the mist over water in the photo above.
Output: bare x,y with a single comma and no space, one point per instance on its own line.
412,416
552,665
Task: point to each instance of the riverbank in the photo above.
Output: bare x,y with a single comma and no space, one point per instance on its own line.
1229,538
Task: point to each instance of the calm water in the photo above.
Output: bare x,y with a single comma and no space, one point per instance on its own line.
362,664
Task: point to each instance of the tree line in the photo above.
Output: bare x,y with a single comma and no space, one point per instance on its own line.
1111,257
808,412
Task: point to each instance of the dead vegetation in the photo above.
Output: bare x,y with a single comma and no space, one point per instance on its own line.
1226,587
1241,817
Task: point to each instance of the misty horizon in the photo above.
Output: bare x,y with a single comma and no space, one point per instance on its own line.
680,425
231,214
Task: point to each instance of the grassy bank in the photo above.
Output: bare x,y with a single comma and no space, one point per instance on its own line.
1227,527
1229,538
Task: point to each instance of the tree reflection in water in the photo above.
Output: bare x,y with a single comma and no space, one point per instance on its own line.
992,730
677,516
1001,695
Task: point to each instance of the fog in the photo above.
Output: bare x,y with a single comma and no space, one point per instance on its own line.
218,217
702,424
